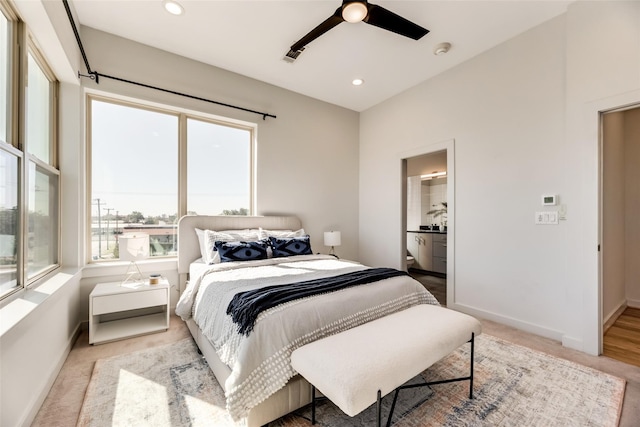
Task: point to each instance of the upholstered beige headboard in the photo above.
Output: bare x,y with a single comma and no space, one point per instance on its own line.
189,248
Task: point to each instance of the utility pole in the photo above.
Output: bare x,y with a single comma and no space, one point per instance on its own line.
99,229
108,212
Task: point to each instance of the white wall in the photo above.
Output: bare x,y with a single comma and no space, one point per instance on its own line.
517,116
632,206
33,350
602,71
613,214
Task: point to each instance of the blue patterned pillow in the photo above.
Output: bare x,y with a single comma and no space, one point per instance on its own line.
241,251
289,246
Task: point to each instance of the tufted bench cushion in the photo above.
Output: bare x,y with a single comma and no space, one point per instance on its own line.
350,368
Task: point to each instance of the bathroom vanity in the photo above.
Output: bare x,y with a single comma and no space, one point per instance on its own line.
429,249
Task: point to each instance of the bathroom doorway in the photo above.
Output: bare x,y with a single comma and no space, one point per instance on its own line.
427,213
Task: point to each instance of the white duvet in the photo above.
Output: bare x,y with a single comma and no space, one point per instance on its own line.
260,362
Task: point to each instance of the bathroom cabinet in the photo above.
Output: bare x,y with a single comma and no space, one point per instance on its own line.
429,249
420,246
439,264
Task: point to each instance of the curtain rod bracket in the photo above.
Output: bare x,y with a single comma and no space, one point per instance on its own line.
91,75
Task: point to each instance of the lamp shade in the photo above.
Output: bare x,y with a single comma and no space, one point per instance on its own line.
133,246
332,238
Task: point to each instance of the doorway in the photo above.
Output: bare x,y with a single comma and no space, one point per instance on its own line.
620,233
428,227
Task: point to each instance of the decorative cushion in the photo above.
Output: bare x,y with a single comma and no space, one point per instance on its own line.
265,234
283,247
241,251
211,256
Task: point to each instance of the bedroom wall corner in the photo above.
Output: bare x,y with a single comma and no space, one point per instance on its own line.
505,110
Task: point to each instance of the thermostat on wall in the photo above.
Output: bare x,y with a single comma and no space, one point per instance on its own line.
549,199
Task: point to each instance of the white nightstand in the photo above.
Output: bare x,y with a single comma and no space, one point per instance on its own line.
117,312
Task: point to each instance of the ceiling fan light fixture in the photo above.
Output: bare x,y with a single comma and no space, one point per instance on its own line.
354,12
173,7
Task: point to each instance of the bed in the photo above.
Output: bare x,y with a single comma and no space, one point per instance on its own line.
249,349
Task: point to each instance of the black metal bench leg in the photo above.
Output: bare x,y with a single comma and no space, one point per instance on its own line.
471,374
379,409
393,407
313,405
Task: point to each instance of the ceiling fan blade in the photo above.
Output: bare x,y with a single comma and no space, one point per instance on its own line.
385,19
325,26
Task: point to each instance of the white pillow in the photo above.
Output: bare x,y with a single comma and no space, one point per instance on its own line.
203,248
211,256
280,234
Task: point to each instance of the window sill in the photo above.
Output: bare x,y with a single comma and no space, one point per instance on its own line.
22,303
97,269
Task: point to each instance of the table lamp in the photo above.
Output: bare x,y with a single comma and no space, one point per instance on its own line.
133,247
332,238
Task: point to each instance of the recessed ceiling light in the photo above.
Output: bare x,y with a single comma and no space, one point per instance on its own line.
172,7
357,82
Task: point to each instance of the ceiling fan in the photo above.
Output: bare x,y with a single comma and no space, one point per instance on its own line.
356,11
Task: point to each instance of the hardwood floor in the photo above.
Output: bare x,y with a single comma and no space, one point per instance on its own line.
436,285
622,340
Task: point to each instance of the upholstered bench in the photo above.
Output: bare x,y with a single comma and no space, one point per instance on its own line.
355,368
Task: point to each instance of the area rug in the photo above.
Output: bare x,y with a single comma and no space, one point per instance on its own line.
513,386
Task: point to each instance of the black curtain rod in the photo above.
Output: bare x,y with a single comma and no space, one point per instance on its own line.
94,75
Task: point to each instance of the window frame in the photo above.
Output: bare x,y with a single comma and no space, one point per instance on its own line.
183,116
50,167
15,79
21,45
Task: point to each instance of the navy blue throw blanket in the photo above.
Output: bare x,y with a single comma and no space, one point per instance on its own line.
245,307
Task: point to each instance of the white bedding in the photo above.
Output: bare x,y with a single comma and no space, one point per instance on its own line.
260,362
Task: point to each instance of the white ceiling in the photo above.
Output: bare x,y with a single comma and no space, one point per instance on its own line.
251,38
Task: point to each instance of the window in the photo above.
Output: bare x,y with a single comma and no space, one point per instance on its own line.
219,169
29,178
42,243
38,129
137,185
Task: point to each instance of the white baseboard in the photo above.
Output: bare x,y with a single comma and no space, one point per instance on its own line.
613,316
518,324
37,403
574,343
633,303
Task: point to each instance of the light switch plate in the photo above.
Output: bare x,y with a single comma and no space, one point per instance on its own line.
546,218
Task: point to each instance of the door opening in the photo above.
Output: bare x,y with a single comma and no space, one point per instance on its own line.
427,218
620,233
